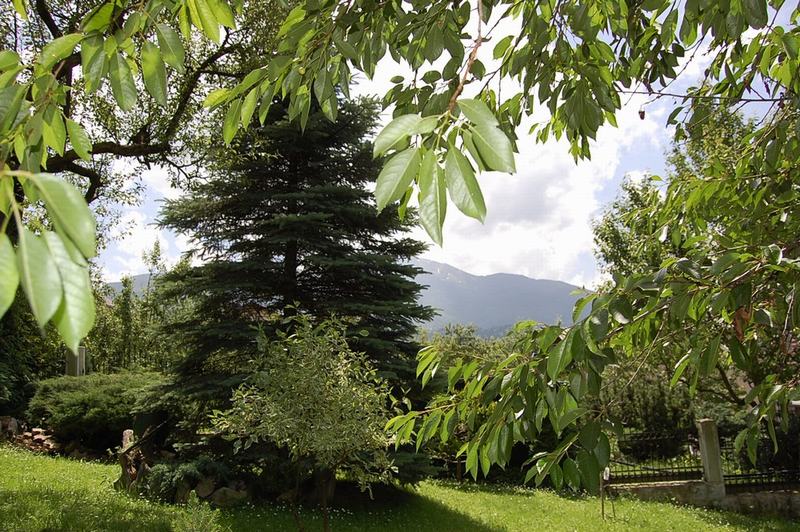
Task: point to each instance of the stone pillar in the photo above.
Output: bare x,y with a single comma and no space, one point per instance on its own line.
711,456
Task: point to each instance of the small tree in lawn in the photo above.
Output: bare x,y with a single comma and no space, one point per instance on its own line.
320,400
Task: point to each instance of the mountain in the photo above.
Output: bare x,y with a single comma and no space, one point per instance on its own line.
492,303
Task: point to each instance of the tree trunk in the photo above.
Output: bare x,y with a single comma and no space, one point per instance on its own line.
295,498
324,487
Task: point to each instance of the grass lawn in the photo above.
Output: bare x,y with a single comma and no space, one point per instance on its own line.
38,493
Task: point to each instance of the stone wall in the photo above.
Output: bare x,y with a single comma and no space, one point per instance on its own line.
785,503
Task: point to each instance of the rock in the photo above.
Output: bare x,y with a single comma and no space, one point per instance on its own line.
226,497
205,487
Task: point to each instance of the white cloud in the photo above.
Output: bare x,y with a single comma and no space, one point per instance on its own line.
539,220
157,180
132,237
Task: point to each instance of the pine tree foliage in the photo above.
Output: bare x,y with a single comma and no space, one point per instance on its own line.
285,222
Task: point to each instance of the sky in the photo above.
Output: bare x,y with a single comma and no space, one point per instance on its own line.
539,220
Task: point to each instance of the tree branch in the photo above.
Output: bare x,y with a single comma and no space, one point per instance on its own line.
660,94
44,13
727,384
190,86
60,163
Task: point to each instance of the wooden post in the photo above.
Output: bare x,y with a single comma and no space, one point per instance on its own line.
711,456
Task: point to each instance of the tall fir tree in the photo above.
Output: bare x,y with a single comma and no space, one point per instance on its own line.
283,222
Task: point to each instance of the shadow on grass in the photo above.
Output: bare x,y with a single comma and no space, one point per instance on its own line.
389,509
48,510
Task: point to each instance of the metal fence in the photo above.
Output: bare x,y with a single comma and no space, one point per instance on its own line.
775,470
655,457
660,457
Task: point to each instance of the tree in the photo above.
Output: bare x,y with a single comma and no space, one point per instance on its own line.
84,85
312,395
722,291
283,223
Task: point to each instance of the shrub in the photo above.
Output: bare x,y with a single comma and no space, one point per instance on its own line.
91,410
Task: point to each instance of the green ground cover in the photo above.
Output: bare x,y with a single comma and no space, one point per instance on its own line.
39,493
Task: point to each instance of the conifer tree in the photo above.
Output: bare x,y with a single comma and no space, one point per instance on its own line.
285,222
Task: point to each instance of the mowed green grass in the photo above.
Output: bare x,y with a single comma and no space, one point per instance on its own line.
39,493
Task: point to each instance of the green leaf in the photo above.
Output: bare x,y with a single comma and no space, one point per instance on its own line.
54,133
602,452
472,461
94,62
201,12
171,46
589,434
448,425
426,125
19,7
216,97
98,18
755,13
432,197
69,211
590,471
560,356
122,84
223,13
39,276
556,477
79,140
396,177
501,47
477,112
154,72
395,133
494,147
58,49
232,120
75,315
9,276
249,107
791,44
708,360
571,474
462,185
6,193
8,60
680,367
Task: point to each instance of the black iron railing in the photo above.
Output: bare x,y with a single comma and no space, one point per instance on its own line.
655,457
660,457
775,470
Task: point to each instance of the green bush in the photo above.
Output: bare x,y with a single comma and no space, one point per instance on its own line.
91,410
